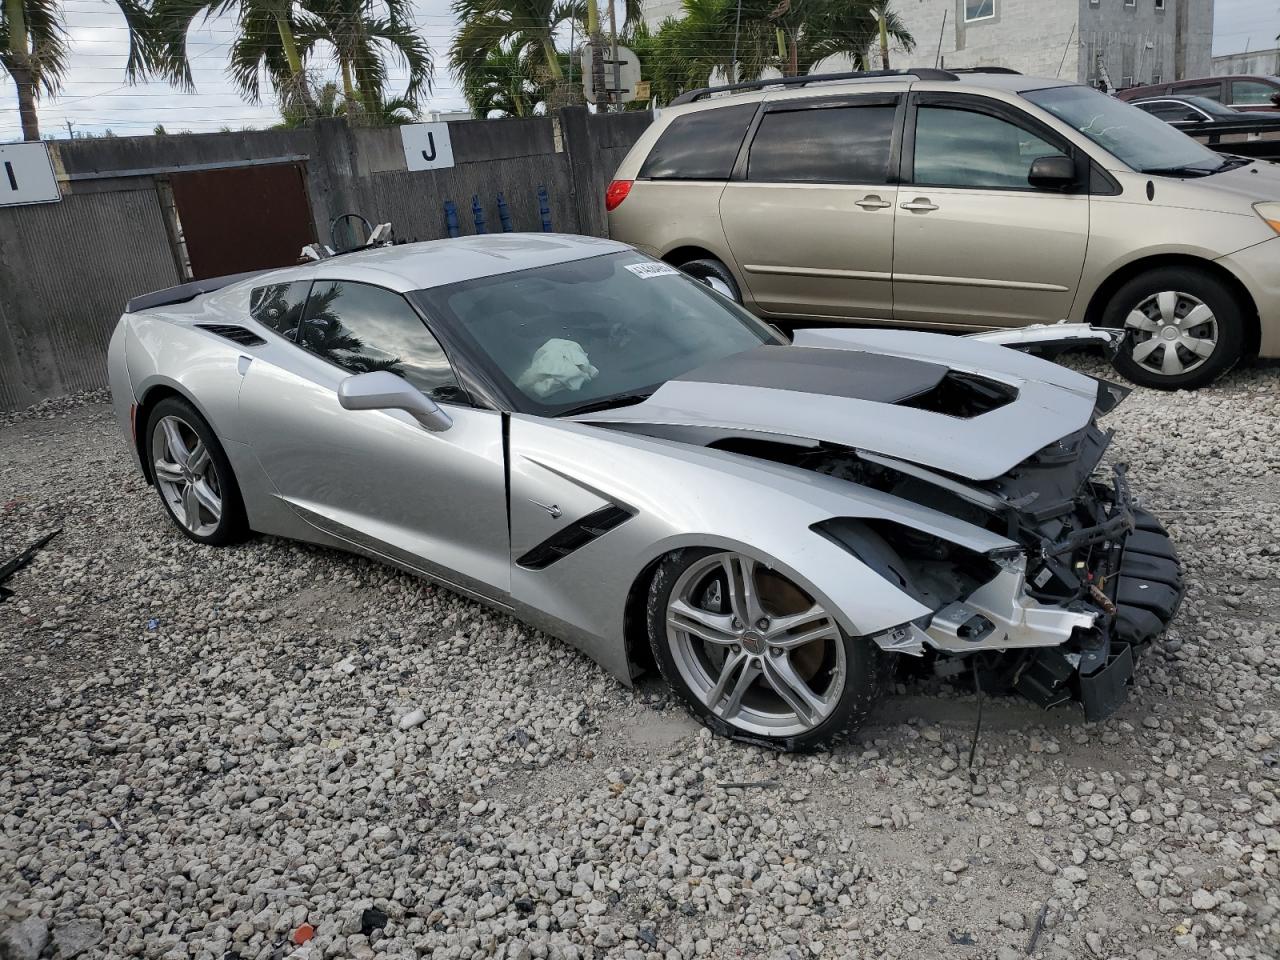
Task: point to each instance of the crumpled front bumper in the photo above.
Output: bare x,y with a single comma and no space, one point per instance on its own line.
1141,600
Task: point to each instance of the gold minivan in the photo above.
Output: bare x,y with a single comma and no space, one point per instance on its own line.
963,200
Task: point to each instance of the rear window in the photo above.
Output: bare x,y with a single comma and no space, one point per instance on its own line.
829,145
699,146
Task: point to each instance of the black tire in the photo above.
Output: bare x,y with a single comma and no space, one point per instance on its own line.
232,525
867,667
714,274
1228,313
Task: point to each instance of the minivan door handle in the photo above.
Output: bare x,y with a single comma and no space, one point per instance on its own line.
872,202
921,204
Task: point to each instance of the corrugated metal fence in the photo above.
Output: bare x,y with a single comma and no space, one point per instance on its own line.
67,268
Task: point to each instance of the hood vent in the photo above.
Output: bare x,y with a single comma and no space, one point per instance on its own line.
241,335
963,395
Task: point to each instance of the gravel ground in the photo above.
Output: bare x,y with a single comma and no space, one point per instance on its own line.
201,755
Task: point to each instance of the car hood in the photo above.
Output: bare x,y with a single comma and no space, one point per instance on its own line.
968,408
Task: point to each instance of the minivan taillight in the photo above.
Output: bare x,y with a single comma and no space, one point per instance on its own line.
616,193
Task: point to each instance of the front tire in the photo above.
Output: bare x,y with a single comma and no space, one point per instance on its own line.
193,476
715,275
1184,328
753,656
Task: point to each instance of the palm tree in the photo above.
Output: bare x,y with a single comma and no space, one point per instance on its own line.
505,85
523,29
266,41
33,51
330,102
360,39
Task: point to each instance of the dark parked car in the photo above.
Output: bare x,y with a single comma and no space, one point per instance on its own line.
1242,92
1253,133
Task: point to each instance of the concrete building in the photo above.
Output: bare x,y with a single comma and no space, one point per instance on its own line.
1132,41
1257,62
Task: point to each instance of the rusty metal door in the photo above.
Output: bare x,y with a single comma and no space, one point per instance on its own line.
243,218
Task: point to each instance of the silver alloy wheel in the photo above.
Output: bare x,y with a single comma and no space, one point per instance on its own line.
186,476
764,671
1173,333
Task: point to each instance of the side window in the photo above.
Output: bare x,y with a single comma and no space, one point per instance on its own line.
363,328
1212,90
279,306
699,146
1170,111
1251,93
961,148
825,145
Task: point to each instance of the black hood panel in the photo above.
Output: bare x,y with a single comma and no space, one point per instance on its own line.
833,373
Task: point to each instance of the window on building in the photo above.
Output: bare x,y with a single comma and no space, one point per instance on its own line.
363,328
1155,78
1159,4
1126,83
961,148
979,10
1130,3
831,145
699,146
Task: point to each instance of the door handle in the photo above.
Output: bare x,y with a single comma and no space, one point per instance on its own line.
921,204
872,202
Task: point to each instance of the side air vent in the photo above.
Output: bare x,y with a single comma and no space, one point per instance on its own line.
575,536
241,335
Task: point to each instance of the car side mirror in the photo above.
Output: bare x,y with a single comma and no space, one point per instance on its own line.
1052,173
383,390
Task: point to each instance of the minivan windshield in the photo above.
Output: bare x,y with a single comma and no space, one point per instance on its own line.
1144,142
591,334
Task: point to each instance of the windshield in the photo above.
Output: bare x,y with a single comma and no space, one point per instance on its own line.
1145,143
593,333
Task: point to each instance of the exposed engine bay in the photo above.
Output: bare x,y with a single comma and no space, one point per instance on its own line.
1056,619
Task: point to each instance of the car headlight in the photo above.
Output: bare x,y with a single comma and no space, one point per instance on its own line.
1270,212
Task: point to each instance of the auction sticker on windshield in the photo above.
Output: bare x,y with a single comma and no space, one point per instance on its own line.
647,271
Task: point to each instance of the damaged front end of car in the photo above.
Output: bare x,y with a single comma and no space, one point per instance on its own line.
1058,617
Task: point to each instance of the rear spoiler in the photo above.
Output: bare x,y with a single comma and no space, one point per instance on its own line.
186,291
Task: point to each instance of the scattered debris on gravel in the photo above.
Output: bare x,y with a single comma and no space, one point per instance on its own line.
280,751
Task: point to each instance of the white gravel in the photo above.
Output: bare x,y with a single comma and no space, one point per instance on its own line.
203,751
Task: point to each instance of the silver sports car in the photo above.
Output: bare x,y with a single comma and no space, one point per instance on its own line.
570,431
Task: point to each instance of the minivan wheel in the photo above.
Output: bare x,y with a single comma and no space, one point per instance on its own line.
715,275
753,655
1183,328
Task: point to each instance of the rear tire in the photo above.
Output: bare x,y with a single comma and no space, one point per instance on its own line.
791,679
1183,327
715,275
193,476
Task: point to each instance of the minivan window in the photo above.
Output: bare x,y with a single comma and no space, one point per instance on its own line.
1252,93
828,145
363,328
1212,90
961,148
699,146
1145,143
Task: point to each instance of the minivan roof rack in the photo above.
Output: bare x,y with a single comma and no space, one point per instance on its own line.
1005,70
920,73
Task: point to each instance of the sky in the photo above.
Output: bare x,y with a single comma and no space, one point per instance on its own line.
95,96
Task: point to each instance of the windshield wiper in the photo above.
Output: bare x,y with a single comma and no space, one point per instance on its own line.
606,403
1184,171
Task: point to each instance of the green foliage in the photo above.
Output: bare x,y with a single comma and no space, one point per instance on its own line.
791,36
